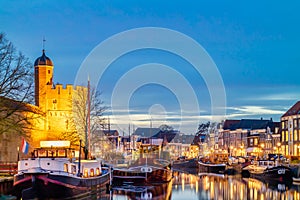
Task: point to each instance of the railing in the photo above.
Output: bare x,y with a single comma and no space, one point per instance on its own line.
8,168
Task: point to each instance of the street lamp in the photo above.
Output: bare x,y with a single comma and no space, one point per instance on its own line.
231,147
242,150
278,147
262,149
274,150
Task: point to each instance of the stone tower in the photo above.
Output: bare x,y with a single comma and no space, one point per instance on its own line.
43,75
54,100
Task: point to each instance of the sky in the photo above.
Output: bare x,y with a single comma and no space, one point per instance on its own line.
247,54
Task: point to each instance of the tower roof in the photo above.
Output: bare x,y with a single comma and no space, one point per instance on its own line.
43,60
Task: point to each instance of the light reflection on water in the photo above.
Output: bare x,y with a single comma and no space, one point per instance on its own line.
212,186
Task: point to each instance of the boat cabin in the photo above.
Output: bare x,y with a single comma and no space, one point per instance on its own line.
58,157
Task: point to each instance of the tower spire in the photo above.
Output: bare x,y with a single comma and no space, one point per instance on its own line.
44,41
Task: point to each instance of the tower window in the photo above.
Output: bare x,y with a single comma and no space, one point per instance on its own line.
54,104
48,71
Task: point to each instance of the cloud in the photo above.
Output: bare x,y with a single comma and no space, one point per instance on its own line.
252,111
287,96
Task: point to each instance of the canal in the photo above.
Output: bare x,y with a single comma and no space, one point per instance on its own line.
210,186
185,186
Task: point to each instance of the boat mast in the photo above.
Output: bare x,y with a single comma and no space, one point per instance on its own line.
89,118
79,159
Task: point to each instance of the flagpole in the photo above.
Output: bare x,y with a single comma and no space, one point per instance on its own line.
18,148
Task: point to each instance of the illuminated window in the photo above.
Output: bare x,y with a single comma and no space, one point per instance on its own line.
91,172
73,169
51,153
282,125
98,171
61,153
42,153
255,141
251,142
66,167
295,135
286,136
86,173
282,135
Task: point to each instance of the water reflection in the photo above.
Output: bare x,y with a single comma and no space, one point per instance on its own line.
158,192
209,186
215,186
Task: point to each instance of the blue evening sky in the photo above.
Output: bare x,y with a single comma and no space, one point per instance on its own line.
254,44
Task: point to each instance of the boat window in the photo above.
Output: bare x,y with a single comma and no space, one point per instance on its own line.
36,153
86,173
97,171
73,169
66,167
91,172
51,153
42,153
61,153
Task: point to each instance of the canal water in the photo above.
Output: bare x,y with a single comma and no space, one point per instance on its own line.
185,186
209,186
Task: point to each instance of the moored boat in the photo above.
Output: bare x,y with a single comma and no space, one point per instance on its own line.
268,170
149,167
185,163
53,172
218,168
214,163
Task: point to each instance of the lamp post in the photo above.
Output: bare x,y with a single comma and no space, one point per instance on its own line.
278,147
231,147
242,150
262,149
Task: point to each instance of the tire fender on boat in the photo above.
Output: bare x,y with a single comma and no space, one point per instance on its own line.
146,169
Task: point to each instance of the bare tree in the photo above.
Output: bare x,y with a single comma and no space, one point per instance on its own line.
16,90
78,120
203,131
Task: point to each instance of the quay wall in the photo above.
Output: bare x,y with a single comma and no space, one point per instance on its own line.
6,185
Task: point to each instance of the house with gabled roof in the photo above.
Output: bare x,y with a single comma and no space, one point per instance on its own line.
248,136
181,145
290,131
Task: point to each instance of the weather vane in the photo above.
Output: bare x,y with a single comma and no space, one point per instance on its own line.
44,40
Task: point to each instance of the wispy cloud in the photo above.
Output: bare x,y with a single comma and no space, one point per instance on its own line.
252,111
287,96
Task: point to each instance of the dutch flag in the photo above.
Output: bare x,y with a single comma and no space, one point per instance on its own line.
24,146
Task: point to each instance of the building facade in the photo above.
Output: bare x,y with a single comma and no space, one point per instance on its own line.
54,105
54,100
290,134
248,137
